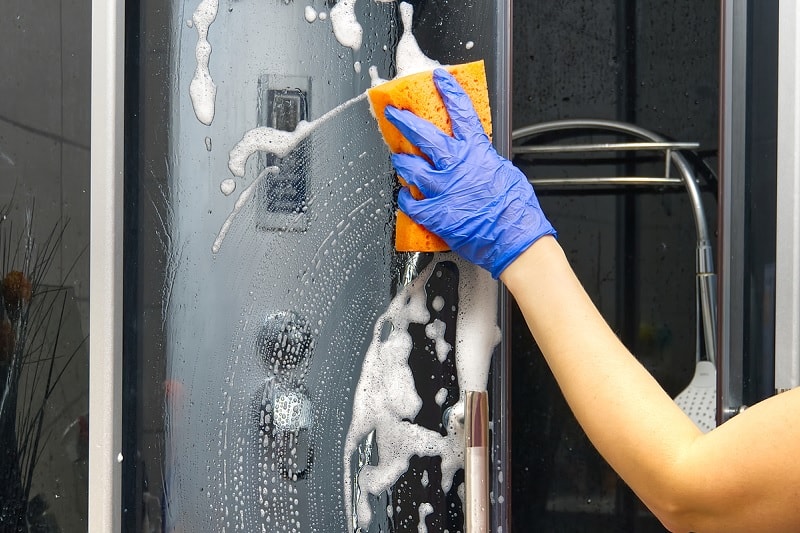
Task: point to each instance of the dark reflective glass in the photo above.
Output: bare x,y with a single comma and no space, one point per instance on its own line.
654,65
44,266
760,192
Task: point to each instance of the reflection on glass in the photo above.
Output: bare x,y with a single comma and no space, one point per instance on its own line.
291,371
44,232
654,65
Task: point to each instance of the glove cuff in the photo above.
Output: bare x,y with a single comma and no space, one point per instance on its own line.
511,253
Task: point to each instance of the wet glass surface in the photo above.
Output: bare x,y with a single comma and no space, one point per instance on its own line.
285,369
758,263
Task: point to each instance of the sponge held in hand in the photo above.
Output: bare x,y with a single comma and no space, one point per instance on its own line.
417,93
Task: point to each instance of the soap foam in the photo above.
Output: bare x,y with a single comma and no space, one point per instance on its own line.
386,398
202,89
424,510
244,197
477,334
346,28
277,142
227,186
435,331
375,77
409,57
310,14
441,396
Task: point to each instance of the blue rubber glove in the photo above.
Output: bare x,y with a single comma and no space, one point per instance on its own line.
478,202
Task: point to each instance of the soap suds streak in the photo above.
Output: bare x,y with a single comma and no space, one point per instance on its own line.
5,157
424,510
203,90
374,77
409,57
386,398
435,331
477,335
244,197
278,142
346,28
227,186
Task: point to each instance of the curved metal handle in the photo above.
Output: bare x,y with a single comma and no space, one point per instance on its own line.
705,291
476,462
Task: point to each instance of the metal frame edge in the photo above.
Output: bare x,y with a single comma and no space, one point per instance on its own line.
501,487
105,294
787,250
731,245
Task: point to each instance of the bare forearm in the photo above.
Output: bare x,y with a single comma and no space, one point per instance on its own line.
738,477
626,414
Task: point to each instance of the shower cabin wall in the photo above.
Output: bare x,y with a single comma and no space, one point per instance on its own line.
303,371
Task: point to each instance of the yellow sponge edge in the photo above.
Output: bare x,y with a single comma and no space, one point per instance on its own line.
418,94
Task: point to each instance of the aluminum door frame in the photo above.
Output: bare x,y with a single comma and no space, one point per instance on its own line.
731,205
105,265
787,251
732,197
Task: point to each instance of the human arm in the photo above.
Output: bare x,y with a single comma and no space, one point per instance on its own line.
742,476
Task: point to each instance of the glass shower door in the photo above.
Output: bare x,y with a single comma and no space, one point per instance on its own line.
284,368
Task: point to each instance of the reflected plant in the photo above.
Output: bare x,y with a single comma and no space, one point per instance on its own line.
32,363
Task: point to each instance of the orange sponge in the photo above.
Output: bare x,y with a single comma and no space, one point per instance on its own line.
418,94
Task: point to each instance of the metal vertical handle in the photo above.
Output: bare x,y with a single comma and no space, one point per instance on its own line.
476,461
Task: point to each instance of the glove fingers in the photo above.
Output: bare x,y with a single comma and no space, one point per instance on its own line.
462,113
418,172
428,138
411,206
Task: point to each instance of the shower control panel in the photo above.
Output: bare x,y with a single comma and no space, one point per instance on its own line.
283,102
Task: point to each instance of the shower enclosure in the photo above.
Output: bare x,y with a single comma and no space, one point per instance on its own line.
284,368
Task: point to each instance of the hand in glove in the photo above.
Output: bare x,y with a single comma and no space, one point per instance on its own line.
478,202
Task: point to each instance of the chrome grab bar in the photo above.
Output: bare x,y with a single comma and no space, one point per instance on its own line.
705,286
614,181
605,147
